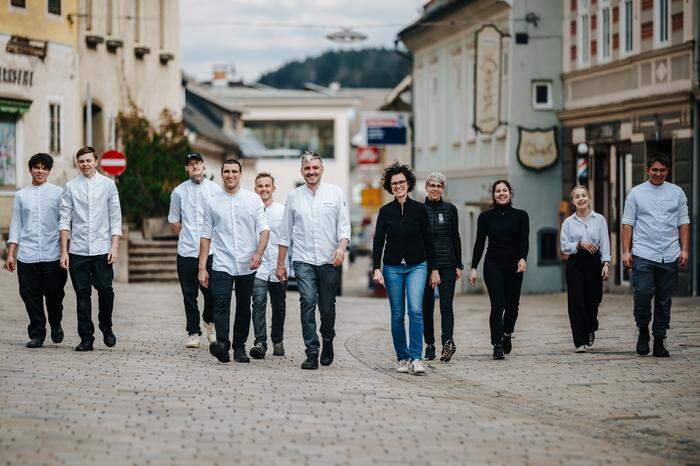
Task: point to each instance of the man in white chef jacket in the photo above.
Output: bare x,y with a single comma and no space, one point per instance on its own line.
316,223
35,240
235,226
91,217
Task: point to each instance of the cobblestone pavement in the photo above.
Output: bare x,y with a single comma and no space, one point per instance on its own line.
150,401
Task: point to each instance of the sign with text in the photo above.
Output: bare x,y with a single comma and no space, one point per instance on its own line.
537,147
487,82
384,128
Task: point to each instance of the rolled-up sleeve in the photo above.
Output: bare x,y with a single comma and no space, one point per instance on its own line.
115,212
683,217
567,243
207,230
629,214
287,224
344,229
65,210
174,215
261,223
16,224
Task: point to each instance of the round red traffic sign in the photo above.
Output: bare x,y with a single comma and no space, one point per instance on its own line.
113,162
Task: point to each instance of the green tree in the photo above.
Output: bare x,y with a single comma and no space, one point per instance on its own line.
154,164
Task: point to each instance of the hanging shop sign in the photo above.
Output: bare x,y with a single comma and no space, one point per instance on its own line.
537,147
384,128
367,155
487,82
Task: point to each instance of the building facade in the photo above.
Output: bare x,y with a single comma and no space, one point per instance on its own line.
629,75
485,92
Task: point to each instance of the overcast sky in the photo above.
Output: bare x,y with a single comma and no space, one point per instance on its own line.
256,35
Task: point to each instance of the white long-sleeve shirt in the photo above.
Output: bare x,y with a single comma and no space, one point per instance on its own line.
234,223
268,266
90,211
187,203
592,230
315,223
34,227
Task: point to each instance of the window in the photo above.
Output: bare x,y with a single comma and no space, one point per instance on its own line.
661,22
605,32
8,149
287,136
547,247
542,95
627,26
54,7
109,10
18,3
163,23
88,15
137,21
584,39
54,128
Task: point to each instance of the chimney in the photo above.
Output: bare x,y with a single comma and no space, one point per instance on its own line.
219,76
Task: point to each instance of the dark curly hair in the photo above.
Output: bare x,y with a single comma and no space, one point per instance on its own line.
397,169
493,191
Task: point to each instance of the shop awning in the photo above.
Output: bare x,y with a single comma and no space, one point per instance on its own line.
18,106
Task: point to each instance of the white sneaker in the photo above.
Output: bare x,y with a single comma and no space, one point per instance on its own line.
211,333
417,367
403,367
193,341
581,349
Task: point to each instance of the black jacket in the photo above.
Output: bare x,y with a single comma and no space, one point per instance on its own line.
444,222
407,235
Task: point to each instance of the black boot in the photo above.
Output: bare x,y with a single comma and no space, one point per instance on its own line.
643,341
660,350
239,355
109,339
507,344
35,343
429,352
311,363
57,334
84,346
219,351
327,353
498,352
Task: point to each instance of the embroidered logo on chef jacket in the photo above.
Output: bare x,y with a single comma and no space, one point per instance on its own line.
441,219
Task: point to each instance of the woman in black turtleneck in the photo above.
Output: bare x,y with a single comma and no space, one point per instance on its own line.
507,229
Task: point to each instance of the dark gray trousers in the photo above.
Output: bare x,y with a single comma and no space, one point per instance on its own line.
653,280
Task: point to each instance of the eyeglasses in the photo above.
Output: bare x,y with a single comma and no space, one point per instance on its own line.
398,183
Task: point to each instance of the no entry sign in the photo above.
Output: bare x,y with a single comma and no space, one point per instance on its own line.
113,162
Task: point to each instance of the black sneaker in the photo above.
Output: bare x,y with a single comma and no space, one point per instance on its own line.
448,350
83,346
591,339
660,350
239,355
429,352
498,352
327,353
109,339
278,349
219,351
311,363
35,343
643,341
57,334
257,351
507,344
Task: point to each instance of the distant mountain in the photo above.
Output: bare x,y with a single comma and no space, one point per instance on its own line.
373,67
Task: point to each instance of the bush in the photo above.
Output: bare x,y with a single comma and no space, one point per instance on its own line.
154,164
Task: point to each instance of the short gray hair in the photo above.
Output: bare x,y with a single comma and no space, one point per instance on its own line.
309,156
436,176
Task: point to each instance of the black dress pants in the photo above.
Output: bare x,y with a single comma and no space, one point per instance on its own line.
188,276
446,290
503,284
584,286
37,281
87,272
221,284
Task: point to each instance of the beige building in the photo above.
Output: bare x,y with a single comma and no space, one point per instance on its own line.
628,82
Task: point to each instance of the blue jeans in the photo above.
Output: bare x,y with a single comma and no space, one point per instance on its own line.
318,285
653,280
404,285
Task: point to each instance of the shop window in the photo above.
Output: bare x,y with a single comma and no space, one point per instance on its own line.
547,250
542,95
18,3
55,128
54,7
8,149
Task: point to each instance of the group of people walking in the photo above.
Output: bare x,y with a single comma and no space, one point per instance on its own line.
237,243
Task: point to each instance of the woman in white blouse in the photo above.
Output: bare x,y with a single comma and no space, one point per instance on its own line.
585,239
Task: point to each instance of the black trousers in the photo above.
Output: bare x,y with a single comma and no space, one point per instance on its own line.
37,281
87,272
446,290
584,287
221,285
187,274
503,284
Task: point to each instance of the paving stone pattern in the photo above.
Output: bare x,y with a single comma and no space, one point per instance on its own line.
148,400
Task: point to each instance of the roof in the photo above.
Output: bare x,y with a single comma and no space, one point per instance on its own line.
197,122
433,11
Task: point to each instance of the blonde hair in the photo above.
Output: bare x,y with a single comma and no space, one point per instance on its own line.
578,186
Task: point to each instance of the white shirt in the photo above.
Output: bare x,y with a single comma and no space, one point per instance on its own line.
655,213
34,227
187,203
315,223
592,230
268,266
90,210
234,223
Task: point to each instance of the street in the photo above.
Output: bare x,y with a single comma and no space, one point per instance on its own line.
151,401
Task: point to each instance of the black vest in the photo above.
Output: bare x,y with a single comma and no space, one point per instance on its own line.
441,217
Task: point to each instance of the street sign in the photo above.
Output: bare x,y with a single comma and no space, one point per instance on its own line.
113,162
367,155
384,128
